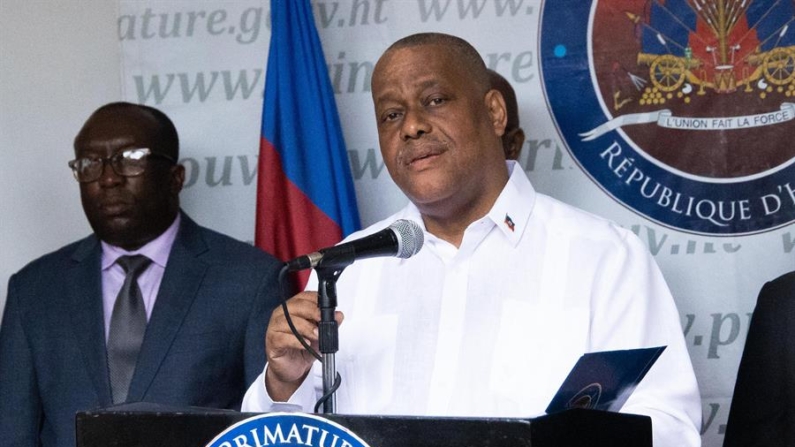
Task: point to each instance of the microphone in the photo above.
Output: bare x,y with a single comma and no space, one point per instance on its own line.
402,239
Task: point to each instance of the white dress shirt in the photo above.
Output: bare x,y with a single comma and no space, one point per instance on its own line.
493,327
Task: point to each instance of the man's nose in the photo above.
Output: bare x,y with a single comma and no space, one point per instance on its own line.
109,177
415,125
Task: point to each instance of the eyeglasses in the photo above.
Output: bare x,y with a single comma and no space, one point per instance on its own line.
127,163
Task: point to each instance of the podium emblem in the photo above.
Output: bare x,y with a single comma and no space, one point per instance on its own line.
287,429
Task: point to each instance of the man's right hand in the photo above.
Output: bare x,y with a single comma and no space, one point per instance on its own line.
288,361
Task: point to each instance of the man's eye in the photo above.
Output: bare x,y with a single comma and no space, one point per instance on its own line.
134,154
86,162
391,116
436,101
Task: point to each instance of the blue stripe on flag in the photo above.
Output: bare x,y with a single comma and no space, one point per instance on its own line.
300,114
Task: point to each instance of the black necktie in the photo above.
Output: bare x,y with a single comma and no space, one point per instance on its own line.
127,327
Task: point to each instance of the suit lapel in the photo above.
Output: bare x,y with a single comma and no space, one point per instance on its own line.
181,282
84,290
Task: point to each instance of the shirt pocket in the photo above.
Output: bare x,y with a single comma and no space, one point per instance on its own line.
536,347
368,365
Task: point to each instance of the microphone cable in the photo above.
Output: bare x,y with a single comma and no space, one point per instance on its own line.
338,379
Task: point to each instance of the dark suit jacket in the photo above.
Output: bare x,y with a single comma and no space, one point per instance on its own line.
763,407
204,343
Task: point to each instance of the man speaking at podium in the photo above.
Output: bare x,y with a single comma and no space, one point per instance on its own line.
510,288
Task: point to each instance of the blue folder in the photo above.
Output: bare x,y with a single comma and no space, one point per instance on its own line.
604,380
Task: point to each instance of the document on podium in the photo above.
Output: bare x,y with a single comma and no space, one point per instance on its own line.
604,380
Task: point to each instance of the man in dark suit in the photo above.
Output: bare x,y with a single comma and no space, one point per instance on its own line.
150,307
763,408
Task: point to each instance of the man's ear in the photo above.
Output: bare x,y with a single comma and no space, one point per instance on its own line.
495,104
177,178
514,141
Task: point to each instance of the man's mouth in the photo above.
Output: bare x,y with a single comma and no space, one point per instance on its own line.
114,208
423,157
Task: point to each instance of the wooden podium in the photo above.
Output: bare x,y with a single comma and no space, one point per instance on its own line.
150,425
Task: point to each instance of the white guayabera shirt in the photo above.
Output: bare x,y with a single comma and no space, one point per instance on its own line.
492,328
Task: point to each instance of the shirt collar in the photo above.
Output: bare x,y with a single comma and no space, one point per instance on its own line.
510,212
157,249
512,209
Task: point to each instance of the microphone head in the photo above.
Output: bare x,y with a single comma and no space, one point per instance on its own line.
409,236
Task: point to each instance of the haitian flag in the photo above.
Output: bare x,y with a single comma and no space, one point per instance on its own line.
305,195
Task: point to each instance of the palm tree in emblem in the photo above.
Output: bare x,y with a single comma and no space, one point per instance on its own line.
717,44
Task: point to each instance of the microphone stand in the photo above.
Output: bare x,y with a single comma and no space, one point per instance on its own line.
328,331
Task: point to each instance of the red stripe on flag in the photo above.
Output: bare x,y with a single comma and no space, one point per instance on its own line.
299,227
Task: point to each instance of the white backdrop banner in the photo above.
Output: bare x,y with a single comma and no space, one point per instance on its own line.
714,207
